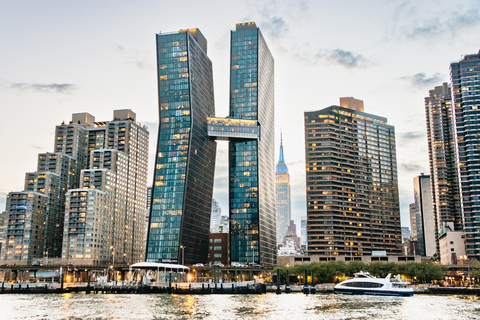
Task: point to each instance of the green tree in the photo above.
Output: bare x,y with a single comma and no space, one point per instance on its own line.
354,267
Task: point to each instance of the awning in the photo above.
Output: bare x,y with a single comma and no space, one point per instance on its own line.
159,266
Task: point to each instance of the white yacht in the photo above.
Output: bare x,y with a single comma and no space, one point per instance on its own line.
364,283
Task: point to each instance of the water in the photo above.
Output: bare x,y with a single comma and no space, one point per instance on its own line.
269,306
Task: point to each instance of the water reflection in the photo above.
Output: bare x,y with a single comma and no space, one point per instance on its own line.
244,307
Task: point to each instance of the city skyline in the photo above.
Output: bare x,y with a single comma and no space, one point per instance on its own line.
60,59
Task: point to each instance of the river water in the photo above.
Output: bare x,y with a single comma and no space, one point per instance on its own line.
76,306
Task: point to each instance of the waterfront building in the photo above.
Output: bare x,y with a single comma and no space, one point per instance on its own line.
218,249
425,219
44,220
184,169
283,200
216,216
351,181
185,158
303,231
465,81
252,162
439,113
105,216
24,235
452,244
55,216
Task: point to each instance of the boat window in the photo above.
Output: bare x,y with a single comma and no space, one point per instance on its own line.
363,284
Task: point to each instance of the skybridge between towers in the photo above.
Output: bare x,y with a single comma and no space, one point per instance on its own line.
233,128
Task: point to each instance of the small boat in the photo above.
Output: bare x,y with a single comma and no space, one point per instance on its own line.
364,283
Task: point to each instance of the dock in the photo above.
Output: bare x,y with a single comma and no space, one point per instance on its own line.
246,287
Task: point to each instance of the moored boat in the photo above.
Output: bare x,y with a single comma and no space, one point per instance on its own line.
365,283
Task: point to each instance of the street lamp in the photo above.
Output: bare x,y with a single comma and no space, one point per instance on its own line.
113,262
113,255
46,256
183,254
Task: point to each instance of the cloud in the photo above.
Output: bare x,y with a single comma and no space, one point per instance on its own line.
421,80
411,168
134,58
413,135
447,24
40,87
411,21
276,27
347,59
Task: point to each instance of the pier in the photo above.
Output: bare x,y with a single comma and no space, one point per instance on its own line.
247,287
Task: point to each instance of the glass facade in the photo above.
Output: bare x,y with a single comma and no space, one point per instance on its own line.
465,77
226,128
185,159
252,184
352,185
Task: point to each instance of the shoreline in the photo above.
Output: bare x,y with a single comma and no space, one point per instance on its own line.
207,288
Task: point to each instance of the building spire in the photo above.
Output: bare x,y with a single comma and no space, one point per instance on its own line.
281,165
281,159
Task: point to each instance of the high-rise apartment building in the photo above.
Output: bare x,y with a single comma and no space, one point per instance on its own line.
105,216
184,169
60,206
352,184
252,162
185,159
25,234
425,218
443,162
465,79
282,192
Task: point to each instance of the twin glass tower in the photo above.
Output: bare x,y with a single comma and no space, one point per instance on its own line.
185,160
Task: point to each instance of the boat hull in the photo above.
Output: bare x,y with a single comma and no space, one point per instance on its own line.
375,292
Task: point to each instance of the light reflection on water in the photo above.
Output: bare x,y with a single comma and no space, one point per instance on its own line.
270,306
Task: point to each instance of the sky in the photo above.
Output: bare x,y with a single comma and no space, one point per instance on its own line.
64,57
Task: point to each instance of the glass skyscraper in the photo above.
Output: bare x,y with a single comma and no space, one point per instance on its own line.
185,159
465,77
252,162
352,185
